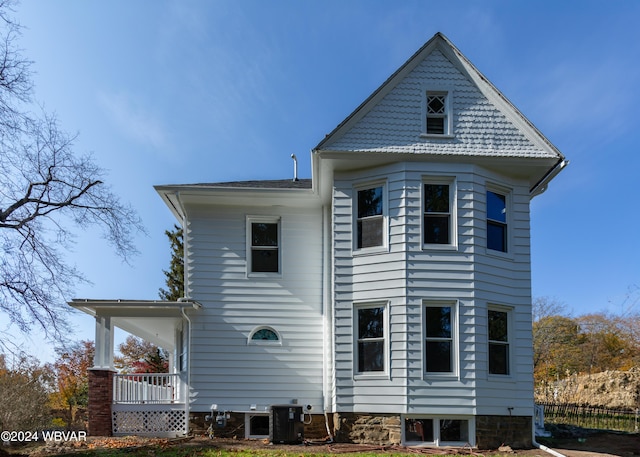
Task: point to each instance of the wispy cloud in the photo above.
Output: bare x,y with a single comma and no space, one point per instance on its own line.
134,120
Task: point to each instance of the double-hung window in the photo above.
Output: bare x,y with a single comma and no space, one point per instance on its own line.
370,339
263,245
498,341
438,216
370,217
440,339
496,221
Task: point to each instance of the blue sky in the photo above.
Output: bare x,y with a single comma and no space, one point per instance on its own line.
201,91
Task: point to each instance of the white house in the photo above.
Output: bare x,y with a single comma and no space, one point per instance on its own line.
388,298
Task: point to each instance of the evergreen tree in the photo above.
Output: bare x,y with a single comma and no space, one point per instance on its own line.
175,274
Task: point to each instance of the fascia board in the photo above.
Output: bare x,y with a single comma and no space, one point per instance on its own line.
245,197
120,307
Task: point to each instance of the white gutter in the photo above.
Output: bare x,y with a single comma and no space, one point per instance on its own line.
327,355
541,186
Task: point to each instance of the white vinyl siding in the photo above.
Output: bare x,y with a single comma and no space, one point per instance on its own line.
377,276
503,281
226,369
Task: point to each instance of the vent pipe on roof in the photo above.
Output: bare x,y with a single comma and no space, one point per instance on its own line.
295,167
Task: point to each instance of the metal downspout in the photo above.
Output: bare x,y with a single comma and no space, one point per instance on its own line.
186,400
327,355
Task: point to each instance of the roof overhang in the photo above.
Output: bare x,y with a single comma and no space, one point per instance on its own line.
536,171
180,197
152,320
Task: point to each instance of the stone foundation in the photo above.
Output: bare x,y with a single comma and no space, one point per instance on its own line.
367,429
494,431
99,402
315,430
382,429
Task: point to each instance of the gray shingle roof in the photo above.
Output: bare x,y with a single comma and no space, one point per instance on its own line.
259,184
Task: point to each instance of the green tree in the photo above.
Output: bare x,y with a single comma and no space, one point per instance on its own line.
175,274
46,193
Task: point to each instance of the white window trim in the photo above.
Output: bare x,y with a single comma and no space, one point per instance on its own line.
510,341
471,420
247,425
453,212
507,193
266,220
455,337
436,89
253,342
357,375
385,218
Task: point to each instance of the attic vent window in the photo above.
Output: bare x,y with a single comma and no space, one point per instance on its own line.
264,335
437,113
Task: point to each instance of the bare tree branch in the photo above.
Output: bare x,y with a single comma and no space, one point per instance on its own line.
47,193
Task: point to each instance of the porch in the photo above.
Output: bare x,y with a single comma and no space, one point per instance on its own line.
149,404
139,403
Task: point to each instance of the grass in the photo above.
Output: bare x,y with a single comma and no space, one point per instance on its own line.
197,451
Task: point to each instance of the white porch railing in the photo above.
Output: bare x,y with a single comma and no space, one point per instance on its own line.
147,388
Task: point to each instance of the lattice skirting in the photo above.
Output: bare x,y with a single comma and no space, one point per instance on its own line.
156,421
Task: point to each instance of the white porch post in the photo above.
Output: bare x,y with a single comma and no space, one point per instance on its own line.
104,343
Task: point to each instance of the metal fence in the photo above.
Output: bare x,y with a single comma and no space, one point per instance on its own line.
592,417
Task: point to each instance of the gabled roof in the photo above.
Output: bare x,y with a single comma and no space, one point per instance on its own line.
486,123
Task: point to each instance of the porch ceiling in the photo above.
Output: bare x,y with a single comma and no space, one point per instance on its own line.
152,320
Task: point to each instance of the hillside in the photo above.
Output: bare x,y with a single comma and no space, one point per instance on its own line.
609,389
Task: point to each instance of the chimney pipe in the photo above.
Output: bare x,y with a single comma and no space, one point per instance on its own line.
295,167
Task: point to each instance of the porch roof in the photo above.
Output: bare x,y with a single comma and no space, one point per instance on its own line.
152,320
132,308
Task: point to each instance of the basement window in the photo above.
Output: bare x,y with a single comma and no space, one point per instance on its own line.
256,425
438,431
